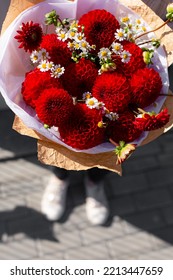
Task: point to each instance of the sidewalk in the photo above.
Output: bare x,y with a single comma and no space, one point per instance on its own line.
141,202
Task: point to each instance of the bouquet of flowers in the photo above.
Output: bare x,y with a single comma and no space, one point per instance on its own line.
92,79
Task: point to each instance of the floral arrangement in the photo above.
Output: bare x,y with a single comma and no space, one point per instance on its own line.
94,80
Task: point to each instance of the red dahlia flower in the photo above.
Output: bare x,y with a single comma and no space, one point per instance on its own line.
58,50
79,77
82,131
124,129
152,121
54,106
114,90
136,59
30,36
99,27
146,85
35,82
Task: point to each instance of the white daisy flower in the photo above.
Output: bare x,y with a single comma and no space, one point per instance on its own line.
92,103
35,57
84,45
120,34
83,54
62,35
44,54
125,56
50,65
57,71
86,95
117,48
71,34
70,45
104,54
74,25
125,20
43,66
79,37
76,45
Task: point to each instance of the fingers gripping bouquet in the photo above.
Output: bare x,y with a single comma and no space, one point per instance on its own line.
92,83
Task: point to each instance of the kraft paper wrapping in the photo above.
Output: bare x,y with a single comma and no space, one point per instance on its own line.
57,155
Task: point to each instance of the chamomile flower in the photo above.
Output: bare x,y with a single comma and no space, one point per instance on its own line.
43,66
70,45
86,95
35,57
92,103
71,34
104,54
62,35
117,48
125,56
120,35
79,37
83,54
84,45
76,45
50,65
74,25
44,54
57,71
125,20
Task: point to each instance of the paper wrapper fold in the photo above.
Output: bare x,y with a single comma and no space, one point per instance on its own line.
54,154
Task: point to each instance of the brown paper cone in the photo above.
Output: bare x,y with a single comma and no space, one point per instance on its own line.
57,155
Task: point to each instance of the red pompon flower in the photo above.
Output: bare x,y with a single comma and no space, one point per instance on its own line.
82,131
114,90
124,129
152,121
99,27
54,106
58,50
79,77
29,36
35,82
146,85
136,59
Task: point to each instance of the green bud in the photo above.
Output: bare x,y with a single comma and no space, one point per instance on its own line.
156,43
51,18
46,126
169,10
147,56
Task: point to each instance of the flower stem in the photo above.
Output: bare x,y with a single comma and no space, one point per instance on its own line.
114,143
162,94
145,33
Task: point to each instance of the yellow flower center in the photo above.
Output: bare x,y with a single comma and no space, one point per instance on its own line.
77,46
35,57
84,44
104,53
72,33
100,124
125,56
125,19
62,35
88,95
120,34
138,21
44,65
144,28
117,48
80,37
58,70
91,102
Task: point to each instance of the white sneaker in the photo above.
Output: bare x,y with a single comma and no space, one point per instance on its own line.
54,198
97,209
